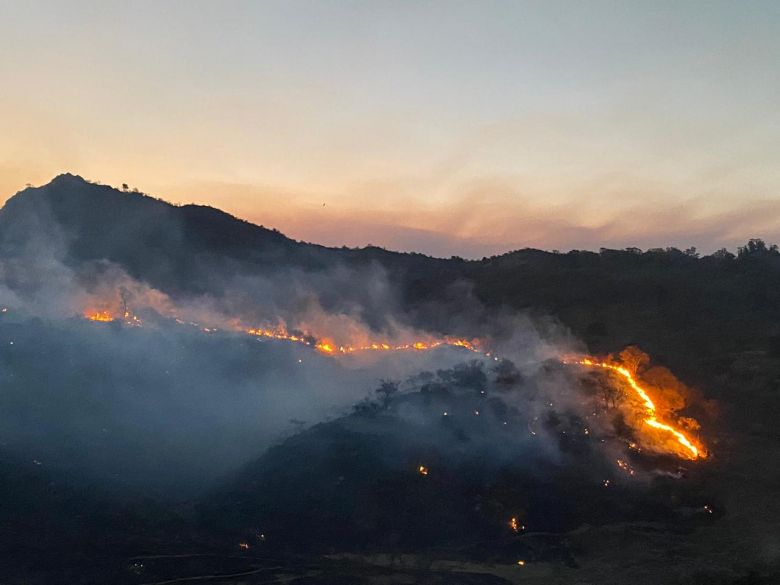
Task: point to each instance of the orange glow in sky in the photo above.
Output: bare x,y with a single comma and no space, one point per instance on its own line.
421,126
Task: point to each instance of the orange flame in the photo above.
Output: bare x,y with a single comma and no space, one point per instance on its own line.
102,316
330,347
679,443
107,316
687,448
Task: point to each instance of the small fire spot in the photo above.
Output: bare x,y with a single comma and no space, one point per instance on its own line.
515,525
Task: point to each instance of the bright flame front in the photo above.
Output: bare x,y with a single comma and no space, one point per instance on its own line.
686,447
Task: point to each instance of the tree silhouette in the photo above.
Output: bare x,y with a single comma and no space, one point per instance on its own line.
387,389
756,247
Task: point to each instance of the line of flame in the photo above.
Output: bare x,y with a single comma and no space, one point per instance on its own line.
652,415
330,348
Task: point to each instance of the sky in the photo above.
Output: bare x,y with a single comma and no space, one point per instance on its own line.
450,128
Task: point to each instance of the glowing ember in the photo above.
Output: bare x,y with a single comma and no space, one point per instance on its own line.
625,467
422,470
685,446
515,525
131,319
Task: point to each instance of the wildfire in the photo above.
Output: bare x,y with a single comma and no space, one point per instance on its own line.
324,345
422,470
107,316
278,333
685,446
327,346
102,316
666,433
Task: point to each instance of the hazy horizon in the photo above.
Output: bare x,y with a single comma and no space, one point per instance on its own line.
444,128
135,191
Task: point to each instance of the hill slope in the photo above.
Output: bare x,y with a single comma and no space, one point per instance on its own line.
664,300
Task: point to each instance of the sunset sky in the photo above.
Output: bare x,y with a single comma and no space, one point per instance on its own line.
465,128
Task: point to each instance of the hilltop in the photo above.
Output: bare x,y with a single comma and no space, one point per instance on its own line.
662,299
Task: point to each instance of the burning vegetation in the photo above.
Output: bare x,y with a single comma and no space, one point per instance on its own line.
327,346
397,473
323,343
102,316
648,409
658,431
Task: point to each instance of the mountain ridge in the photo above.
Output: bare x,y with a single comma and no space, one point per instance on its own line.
72,185
605,298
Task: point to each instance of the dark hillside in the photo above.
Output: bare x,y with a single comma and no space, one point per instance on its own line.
181,250
683,308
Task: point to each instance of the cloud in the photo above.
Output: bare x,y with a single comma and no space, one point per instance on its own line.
488,217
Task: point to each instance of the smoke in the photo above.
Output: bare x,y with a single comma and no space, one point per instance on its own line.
180,403
446,458
175,405
168,408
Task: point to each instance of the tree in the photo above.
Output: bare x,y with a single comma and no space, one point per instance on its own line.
387,389
756,247
634,358
611,395
507,373
723,254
